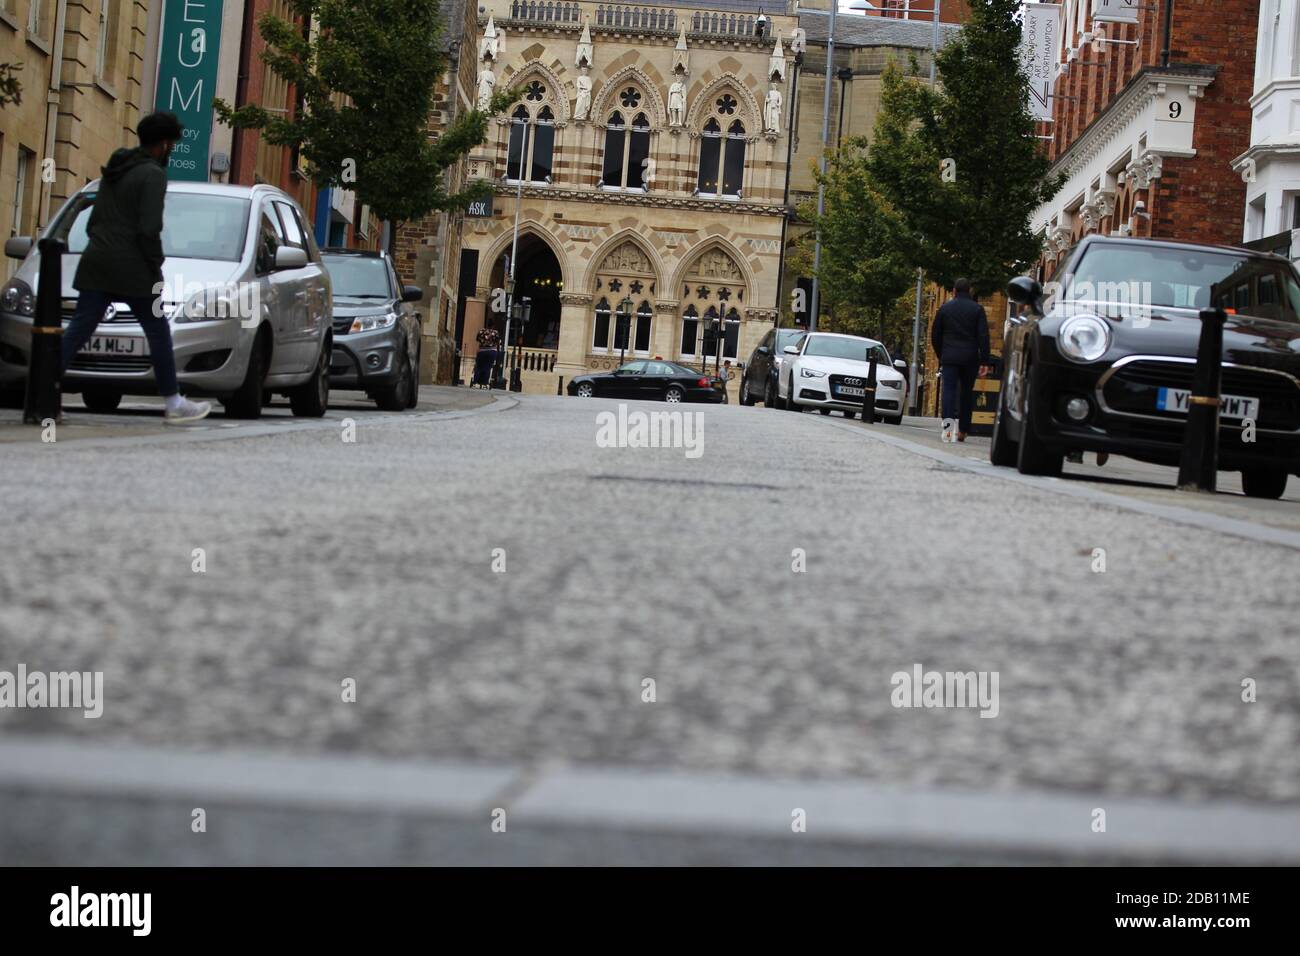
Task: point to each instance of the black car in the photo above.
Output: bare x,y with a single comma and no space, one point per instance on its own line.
376,328
1107,362
758,381
652,379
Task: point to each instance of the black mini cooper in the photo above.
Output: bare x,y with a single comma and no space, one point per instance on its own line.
1104,360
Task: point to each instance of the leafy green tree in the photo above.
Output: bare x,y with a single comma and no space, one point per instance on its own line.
364,77
960,163
867,260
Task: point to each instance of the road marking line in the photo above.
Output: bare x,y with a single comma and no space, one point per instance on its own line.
663,800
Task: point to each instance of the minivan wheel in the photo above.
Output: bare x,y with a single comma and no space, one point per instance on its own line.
1264,482
101,399
395,397
246,401
312,398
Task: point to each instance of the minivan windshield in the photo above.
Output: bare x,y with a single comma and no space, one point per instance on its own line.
195,225
832,346
363,277
1134,275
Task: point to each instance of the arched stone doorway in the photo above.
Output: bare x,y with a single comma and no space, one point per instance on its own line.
537,276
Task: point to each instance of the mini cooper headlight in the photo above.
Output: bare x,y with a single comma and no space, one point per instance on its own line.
369,323
811,373
1083,338
18,297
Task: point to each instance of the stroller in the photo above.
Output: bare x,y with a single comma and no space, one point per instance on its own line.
483,363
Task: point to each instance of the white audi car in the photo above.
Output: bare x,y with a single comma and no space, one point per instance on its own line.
828,371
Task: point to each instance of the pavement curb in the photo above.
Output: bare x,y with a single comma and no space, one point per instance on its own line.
677,802
1184,516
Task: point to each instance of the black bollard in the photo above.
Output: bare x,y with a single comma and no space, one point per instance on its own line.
559,385
45,365
1199,464
869,392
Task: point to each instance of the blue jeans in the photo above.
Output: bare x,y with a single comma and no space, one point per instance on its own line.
959,393
91,306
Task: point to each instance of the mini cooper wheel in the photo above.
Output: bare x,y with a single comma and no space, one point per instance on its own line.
1035,458
1002,450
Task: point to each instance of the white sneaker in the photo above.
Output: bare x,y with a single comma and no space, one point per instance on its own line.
187,412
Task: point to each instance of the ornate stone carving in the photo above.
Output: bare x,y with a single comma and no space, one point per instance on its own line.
716,264
776,62
585,55
681,55
664,307
799,42
575,298
628,257
492,44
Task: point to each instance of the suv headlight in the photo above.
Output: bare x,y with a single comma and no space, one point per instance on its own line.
18,297
811,373
370,323
1083,338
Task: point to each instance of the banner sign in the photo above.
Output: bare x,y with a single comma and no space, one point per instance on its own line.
1115,11
189,45
1040,33
480,209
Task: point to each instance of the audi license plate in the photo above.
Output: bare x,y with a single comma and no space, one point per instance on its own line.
123,345
1230,406
850,391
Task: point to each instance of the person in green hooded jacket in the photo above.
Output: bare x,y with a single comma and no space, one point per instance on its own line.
124,257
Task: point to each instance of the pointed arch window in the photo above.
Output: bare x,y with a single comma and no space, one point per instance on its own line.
690,330
600,331
532,138
644,323
722,154
627,147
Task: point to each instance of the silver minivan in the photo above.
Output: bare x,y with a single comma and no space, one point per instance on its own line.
244,289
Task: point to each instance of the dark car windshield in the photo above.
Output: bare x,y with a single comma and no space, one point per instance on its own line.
788,337
1186,279
832,346
195,225
359,276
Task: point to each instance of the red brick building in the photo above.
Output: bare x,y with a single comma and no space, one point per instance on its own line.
1148,116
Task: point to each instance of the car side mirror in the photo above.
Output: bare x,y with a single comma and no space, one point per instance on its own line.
412,293
290,257
763,350
792,350
900,365
1026,291
19,246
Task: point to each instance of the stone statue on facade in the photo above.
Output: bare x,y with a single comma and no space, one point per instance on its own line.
487,83
677,102
647,173
772,111
799,42
582,107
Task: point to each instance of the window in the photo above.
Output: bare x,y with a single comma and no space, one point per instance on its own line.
731,334
38,18
644,315
293,234
531,147
600,332
690,330
105,57
22,192
626,147
269,239
722,155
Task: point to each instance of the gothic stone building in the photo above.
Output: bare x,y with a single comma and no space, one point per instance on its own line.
648,149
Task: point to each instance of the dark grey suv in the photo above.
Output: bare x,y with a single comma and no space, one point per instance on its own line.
376,328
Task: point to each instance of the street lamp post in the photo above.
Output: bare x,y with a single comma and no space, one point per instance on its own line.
914,393
521,312
510,281
624,326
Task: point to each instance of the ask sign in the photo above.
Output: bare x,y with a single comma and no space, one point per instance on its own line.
187,80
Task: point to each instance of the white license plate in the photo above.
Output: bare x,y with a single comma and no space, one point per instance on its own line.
124,345
850,390
1230,406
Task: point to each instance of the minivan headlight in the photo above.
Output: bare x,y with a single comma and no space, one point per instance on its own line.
369,323
1083,338
18,297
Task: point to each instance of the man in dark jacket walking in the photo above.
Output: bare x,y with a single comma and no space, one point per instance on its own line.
123,259
960,337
